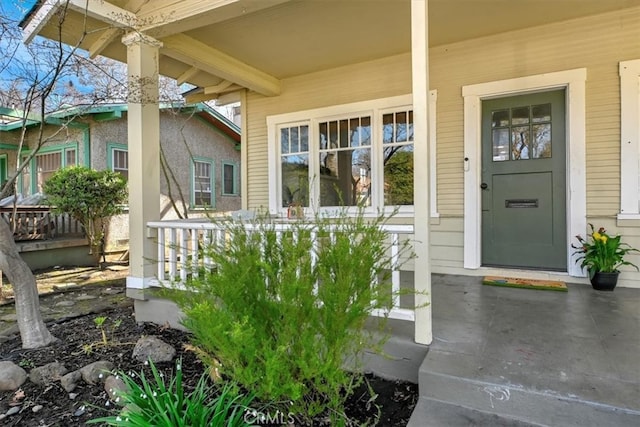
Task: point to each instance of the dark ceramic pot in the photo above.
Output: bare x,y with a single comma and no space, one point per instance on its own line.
602,281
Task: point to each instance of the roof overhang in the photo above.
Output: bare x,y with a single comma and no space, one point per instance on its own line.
221,46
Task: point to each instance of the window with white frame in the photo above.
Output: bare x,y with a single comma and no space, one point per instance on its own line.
230,185
202,183
359,154
630,139
118,159
44,164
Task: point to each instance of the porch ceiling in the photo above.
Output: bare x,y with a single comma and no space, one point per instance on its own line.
227,44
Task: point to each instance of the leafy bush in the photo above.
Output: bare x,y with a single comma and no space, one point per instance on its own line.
88,196
280,314
155,403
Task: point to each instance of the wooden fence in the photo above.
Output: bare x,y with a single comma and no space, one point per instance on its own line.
39,223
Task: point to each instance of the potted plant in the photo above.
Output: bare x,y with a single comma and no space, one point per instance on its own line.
602,256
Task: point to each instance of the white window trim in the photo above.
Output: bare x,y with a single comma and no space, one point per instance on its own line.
313,117
433,154
573,81
629,140
212,180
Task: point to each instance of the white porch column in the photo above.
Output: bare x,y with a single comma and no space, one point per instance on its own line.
144,158
421,186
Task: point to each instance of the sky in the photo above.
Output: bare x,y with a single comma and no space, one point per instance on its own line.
16,9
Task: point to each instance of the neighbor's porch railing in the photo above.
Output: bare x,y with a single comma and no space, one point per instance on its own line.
39,223
179,256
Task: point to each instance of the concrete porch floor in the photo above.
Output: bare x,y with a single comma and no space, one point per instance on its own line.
505,356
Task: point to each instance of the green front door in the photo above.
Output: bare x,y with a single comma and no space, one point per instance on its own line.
523,182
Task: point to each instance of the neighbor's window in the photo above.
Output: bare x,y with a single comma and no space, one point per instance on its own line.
202,183
43,165
121,162
229,179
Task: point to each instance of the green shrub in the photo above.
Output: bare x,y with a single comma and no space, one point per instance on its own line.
152,402
281,325
88,196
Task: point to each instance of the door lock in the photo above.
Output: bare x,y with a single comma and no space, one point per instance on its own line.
484,186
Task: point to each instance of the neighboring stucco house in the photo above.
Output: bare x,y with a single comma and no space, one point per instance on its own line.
201,156
521,119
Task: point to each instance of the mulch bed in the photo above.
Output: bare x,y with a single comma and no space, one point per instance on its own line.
392,407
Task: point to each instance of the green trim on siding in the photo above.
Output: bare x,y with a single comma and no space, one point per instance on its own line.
86,145
12,147
4,168
108,116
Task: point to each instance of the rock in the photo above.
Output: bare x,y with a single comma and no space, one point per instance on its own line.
13,410
111,291
37,408
80,411
96,372
85,297
73,396
64,304
114,385
70,381
12,376
48,373
153,348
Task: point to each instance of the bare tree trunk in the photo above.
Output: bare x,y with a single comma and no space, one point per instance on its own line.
33,331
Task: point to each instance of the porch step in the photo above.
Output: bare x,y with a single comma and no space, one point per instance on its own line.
450,395
433,413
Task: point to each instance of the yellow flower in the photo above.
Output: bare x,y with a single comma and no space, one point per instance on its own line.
597,236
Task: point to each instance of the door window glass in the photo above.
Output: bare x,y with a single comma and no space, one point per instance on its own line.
524,131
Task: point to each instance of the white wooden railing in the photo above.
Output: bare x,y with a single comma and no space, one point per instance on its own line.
180,255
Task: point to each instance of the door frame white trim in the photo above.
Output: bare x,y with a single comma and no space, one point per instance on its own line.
573,81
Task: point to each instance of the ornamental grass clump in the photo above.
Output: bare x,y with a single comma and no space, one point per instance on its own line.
603,253
154,401
283,310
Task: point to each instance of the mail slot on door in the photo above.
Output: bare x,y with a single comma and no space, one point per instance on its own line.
521,203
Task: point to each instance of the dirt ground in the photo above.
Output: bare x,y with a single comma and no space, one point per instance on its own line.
72,299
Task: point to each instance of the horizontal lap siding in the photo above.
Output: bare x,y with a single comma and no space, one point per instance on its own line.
597,43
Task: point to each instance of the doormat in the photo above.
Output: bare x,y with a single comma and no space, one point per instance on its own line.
512,282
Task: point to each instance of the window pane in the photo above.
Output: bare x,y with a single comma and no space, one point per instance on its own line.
345,177
520,116
202,183
304,138
121,162
499,118
542,141
398,175
70,158
541,113
46,165
500,145
284,141
520,140
228,179
295,180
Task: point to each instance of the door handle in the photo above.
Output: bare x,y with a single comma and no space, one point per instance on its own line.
484,186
